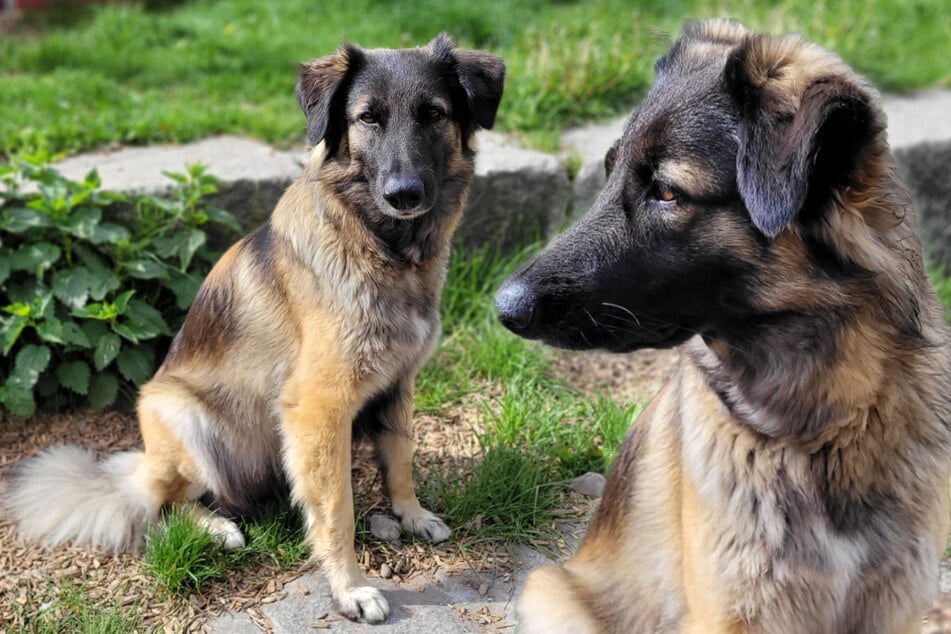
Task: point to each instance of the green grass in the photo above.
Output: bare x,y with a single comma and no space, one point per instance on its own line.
539,434
942,285
72,612
184,558
124,73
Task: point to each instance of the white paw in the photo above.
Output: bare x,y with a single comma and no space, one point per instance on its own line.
226,531
363,603
426,525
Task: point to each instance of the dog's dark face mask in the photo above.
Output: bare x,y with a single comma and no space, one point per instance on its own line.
400,122
703,180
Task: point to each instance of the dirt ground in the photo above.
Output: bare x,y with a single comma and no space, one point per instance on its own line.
34,575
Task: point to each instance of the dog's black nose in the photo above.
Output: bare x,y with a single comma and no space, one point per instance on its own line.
403,192
516,307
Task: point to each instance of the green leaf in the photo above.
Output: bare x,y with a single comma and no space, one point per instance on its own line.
11,332
21,219
26,290
89,257
94,329
82,222
51,330
74,375
35,258
134,366
43,306
95,310
146,320
4,268
75,335
106,350
184,286
103,279
143,269
176,176
167,246
192,241
30,361
108,232
101,284
71,286
223,217
92,180
125,332
103,389
20,309
122,302
18,400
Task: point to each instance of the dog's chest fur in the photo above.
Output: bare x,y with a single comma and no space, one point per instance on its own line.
386,313
387,334
784,535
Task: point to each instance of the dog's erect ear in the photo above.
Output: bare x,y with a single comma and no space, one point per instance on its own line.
804,119
481,77
321,92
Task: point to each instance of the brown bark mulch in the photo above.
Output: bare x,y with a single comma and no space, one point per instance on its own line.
33,576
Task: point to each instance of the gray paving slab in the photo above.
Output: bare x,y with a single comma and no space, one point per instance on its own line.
517,194
461,602
234,623
920,117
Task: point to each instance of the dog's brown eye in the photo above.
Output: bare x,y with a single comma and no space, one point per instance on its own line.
666,196
434,114
368,118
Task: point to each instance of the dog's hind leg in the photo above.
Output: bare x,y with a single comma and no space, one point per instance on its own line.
394,448
176,468
553,602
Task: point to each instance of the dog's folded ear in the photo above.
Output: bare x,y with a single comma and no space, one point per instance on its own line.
319,92
804,120
610,157
480,75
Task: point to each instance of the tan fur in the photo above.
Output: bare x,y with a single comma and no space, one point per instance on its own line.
309,330
711,524
321,348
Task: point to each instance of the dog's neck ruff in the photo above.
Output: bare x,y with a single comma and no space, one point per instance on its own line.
807,395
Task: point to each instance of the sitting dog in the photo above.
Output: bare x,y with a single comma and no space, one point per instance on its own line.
308,332
792,477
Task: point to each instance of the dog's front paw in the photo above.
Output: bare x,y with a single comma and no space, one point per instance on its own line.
426,525
363,603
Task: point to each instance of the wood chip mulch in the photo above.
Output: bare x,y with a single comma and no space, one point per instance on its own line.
33,576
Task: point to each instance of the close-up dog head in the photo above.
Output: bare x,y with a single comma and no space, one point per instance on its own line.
752,182
399,122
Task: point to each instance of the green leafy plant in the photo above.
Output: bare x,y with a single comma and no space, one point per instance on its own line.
93,283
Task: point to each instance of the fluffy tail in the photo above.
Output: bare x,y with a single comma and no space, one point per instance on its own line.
64,493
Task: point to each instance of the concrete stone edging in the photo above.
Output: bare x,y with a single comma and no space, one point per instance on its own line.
518,194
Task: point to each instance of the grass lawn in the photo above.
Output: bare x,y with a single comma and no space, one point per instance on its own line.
124,73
